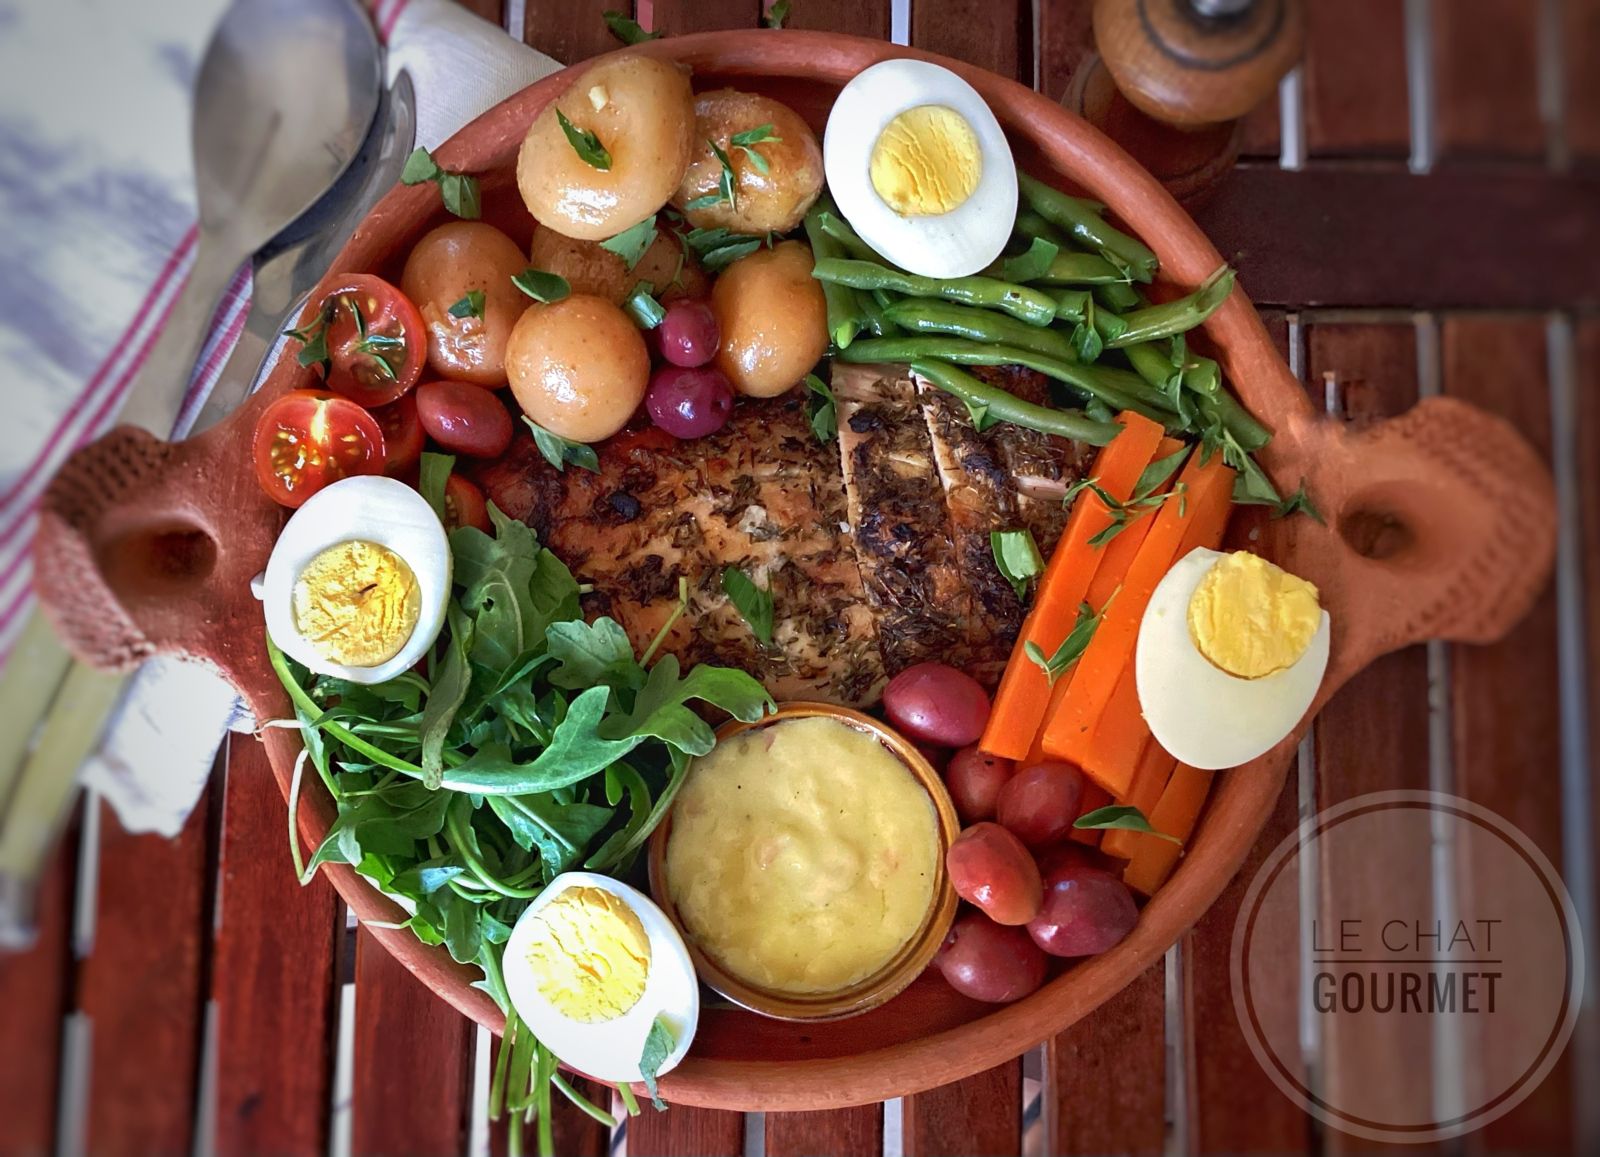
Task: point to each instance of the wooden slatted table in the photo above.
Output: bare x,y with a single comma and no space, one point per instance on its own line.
1419,215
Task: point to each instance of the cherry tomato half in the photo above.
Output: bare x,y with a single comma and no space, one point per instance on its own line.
309,438
464,419
403,438
464,505
372,340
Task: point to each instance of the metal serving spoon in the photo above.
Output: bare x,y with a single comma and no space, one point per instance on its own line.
286,93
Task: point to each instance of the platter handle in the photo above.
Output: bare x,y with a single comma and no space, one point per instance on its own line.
1441,524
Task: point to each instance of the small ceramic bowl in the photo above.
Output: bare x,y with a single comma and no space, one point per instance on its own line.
901,969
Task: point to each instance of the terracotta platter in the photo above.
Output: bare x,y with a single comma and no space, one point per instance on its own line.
1440,525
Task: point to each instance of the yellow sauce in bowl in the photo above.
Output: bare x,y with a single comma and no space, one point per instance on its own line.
803,855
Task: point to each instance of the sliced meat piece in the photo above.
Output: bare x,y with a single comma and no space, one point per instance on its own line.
762,495
901,523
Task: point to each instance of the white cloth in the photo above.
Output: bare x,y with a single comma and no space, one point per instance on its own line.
100,199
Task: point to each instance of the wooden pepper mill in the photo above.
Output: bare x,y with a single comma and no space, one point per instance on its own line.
1174,78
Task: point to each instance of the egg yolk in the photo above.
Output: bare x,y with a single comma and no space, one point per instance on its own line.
357,603
590,954
1250,618
926,161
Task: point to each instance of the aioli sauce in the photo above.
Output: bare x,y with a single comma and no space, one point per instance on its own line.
802,855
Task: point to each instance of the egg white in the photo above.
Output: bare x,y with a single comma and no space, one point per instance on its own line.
372,509
952,244
609,1050
1199,713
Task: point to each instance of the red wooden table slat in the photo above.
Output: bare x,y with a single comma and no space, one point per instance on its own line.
1580,70
674,16
683,1131
1587,388
980,1116
856,1132
1486,79
1373,736
571,30
413,1063
1066,37
273,976
1233,1105
33,993
1511,767
857,17
141,987
993,34
1355,79
1108,1074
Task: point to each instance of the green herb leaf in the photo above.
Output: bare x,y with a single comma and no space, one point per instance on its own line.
1072,647
469,306
1123,818
1017,557
718,248
1156,475
459,191
981,418
821,409
626,30
631,243
1033,264
642,306
749,139
435,473
542,286
727,182
658,1046
419,167
1299,503
588,147
1252,487
559,452
751,601
315,350
777,14
707,201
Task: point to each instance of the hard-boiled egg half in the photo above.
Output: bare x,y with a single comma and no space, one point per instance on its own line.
357,584
591,967
920,167
1230,655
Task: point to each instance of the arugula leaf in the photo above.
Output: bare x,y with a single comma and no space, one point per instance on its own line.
659,1042
458,191
588,147
542,286
1017,558
1122,817
631,243
626,30
643,307
821,409
576,751
471,305
558,451
751,601
435,473
596,654
1299,503
1072,647
500,577
777,14
1033,264
621,780
558,832
449,692
659,711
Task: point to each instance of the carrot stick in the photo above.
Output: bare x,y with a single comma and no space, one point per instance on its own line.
1155,769
1024,694
1208,491
1175,814
1094,798
1112,756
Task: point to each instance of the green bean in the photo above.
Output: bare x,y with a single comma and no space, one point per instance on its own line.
1073,305
1030,225
1175,317
1118,389
1216,404
874,319
848,239
1249,433
1007,407
1153,364
1081,220
1030,305
845,317
924,317
1118,295
1071,268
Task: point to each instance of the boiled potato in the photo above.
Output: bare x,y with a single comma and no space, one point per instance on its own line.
642,111
771,201
773,320
590,269
578,367
446,265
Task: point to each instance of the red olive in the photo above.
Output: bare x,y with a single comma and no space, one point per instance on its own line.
975,778
989,961
933,703
1086,911
1039,803
989,867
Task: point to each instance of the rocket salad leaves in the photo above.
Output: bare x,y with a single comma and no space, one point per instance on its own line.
532,742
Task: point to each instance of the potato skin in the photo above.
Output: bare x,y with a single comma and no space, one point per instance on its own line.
646,123
590,269
772,202
773,319
578,367
442,268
